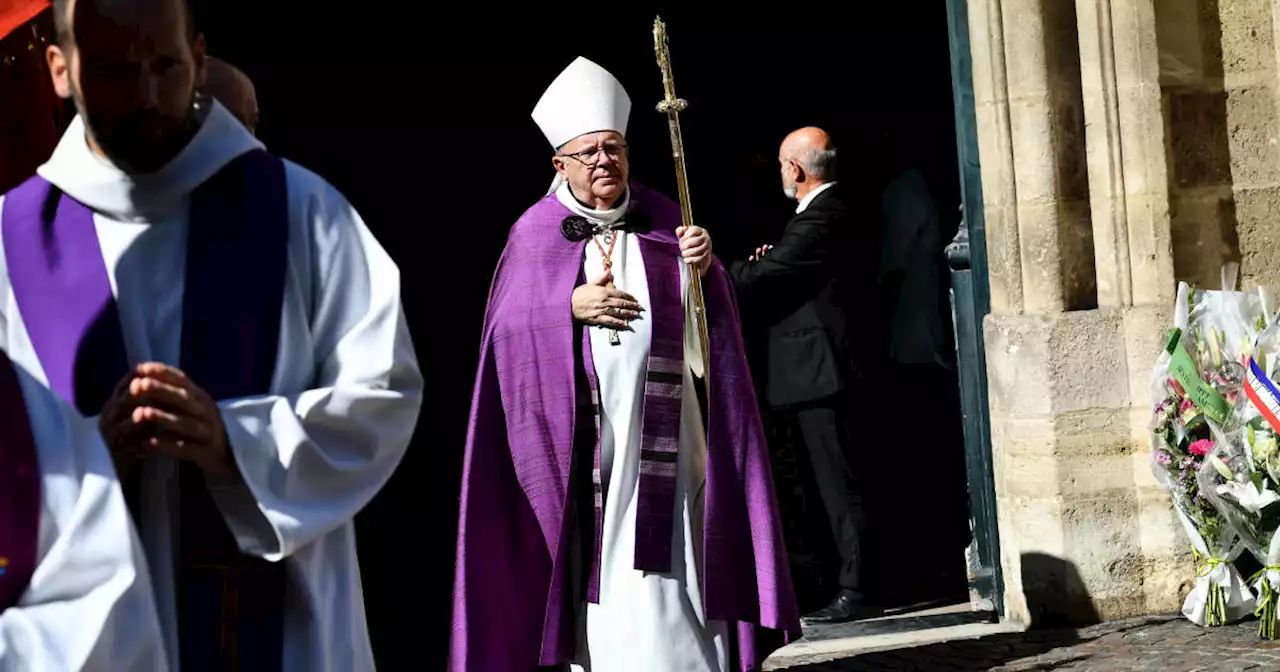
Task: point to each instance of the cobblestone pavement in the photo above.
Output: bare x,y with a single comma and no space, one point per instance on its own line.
1165,643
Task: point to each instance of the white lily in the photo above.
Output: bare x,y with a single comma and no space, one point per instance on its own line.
1223,470
1249,496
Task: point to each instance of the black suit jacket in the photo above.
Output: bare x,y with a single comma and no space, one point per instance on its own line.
796,292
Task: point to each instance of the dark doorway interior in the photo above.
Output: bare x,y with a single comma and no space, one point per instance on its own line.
419,113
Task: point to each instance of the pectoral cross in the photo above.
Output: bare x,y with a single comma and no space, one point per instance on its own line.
610,237
614,337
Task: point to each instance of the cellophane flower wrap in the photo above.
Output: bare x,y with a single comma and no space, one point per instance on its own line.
1242,476
1195,383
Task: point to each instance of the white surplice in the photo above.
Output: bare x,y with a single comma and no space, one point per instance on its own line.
89,606
645,622
344,398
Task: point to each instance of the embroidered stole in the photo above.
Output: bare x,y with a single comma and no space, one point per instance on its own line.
20,495
660,426
231,605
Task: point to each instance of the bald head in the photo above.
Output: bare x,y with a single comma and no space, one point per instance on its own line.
809,137
808,160
231,87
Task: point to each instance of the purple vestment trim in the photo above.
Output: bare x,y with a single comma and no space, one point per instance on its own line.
63,292
237,259
20,503
232,303
598,494
513,605
660,426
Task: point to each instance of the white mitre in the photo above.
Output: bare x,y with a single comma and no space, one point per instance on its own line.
584,98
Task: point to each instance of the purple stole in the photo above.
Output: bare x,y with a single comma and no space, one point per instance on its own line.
660,424
20,499
230,604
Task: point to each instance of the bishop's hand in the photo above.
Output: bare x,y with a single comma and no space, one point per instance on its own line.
598,303
171,415
695,247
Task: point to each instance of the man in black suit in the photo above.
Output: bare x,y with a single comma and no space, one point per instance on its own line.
796,290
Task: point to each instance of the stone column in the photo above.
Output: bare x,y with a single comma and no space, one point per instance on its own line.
991,112
1065,377
1128,180
1034,178
1128,186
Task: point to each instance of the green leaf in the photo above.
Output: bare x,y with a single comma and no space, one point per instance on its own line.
1223,470
1180,435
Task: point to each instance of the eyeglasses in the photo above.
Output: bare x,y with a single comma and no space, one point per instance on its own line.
588,157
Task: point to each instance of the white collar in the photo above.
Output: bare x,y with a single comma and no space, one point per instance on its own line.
804,202
95,182
602,218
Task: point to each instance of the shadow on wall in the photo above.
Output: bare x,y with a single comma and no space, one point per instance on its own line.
1055,592
1202,205
1075,227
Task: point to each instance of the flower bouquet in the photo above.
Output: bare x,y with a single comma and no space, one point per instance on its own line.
1242,476
1196,382
1183,437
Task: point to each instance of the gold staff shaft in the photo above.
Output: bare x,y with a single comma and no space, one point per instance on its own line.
672,106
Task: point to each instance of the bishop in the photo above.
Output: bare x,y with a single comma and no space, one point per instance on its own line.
611,519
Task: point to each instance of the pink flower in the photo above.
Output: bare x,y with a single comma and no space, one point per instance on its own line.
1201,447
1163,458
1186,406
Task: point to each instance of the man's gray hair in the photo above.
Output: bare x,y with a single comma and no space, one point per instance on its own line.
820,163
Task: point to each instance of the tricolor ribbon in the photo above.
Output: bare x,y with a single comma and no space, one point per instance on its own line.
1263,394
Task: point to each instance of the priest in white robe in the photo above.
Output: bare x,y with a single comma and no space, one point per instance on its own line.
236,328
74,589
610,519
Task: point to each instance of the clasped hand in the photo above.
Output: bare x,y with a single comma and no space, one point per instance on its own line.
157,409
598,304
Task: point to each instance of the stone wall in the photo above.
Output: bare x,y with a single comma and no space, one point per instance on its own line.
1104,180
1219,78
1199,154
1253,134
1125,145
